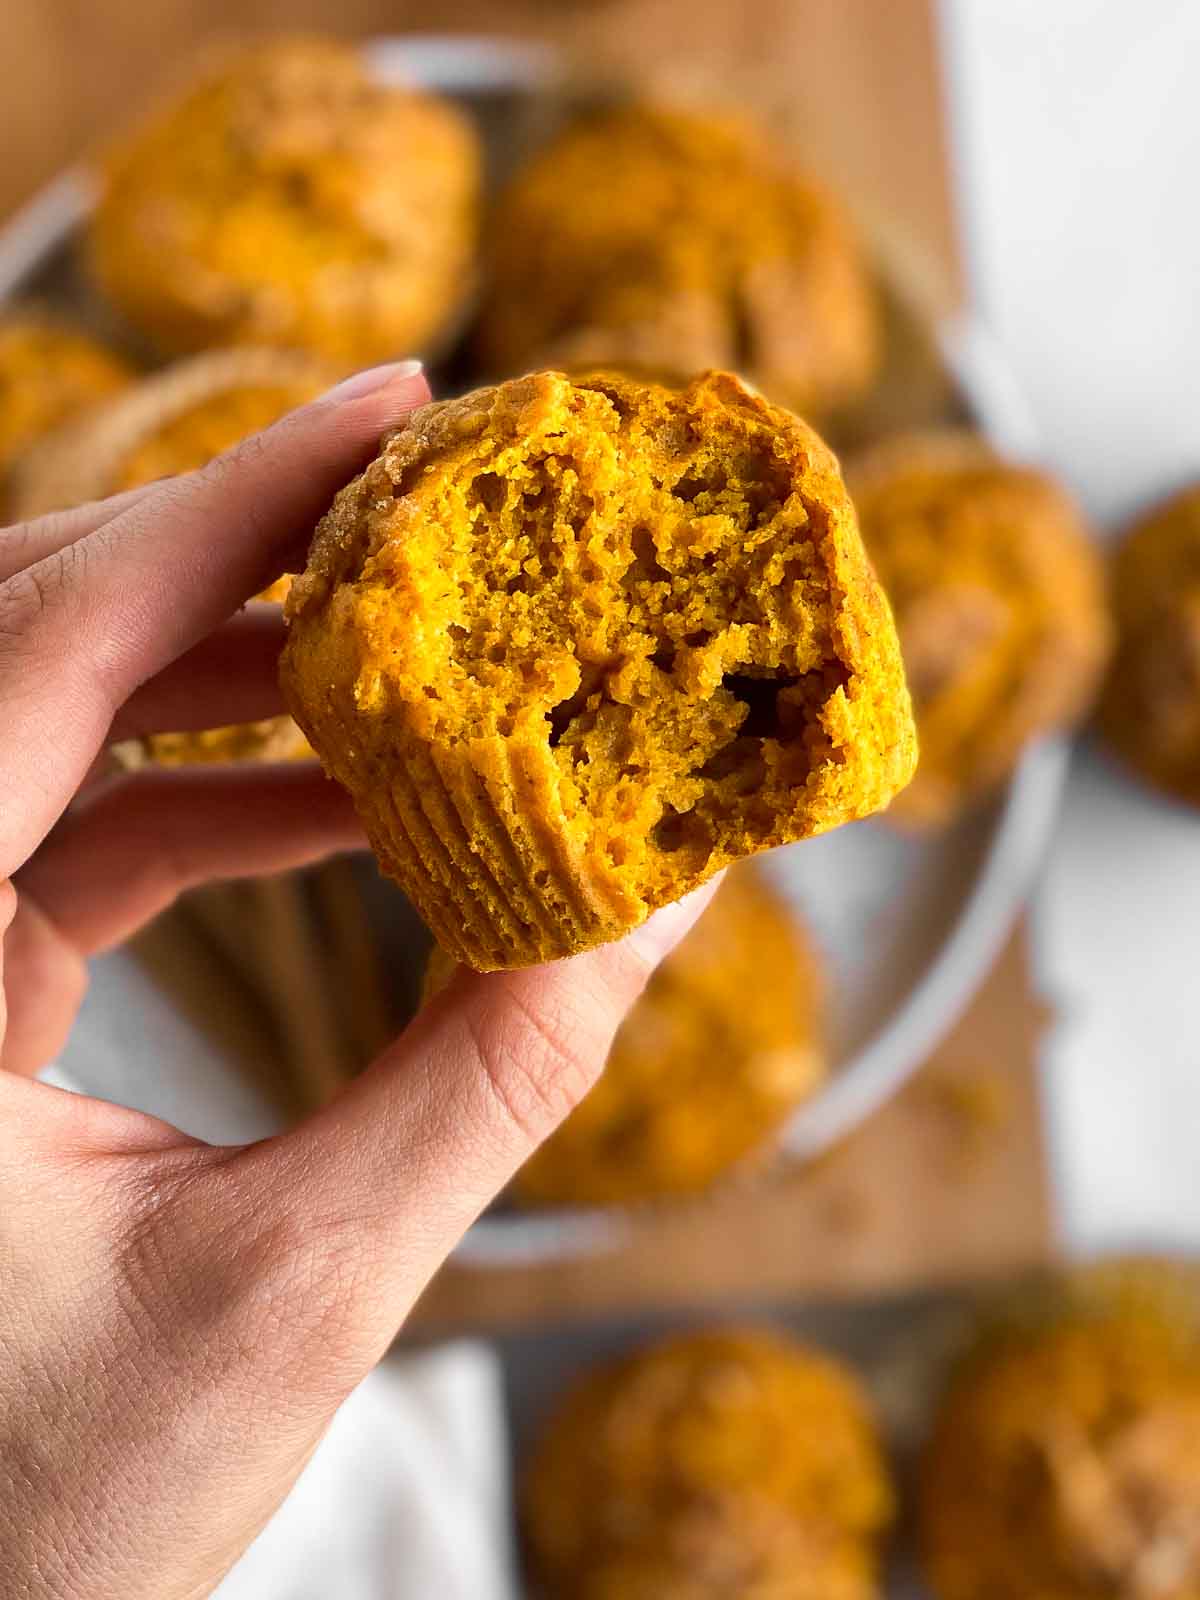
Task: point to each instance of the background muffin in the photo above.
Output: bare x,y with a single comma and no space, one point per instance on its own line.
998,595
1065,1459
573,647
663,242
722,1045
171,423
49,373
716,1463
290,200
1150,709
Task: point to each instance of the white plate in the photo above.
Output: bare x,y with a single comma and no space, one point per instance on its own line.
909,925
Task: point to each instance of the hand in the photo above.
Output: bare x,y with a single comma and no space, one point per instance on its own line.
179,1322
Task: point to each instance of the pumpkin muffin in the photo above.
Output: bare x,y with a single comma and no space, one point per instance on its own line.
716,1464
724,1042
175,422
1150,708
1065,1459
574,646
291,200
48,374
661,242
998,595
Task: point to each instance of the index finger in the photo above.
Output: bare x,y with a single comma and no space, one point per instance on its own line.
81,629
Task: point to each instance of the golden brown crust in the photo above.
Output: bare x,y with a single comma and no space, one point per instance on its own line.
661,242
575,646
724,1042
1064,1461
998,594
1150,709
290,200
49,373
730,1462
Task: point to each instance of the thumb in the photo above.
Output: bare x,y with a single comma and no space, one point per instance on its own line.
410,1154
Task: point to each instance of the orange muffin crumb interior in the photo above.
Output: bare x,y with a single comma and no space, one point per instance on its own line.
574,646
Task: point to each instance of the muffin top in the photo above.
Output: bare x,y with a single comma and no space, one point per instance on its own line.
1065,1462
662,241
1150,709
637,625
717,1463
721,1046
48,374
998,596
289,199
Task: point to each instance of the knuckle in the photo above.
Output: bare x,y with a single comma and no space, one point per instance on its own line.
539,1061
16,539
30,597
22,600
20,541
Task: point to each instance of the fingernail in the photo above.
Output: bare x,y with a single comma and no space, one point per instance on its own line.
374,378
659,934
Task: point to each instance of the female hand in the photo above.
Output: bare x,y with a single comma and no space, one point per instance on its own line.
179,1322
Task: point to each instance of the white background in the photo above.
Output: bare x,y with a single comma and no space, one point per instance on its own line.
1077,136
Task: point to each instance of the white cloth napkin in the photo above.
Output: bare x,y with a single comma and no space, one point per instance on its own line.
406,1498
